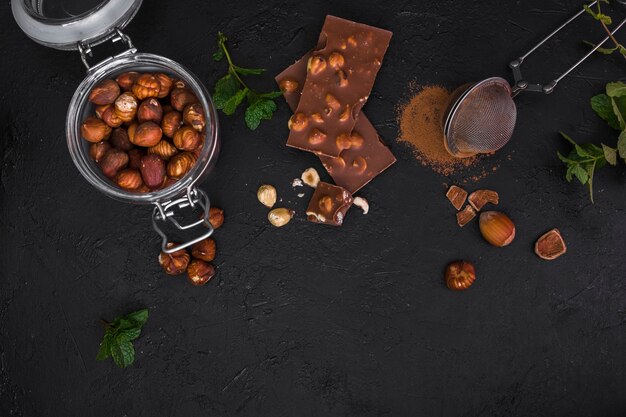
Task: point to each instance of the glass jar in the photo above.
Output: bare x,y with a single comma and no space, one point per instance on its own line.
82,24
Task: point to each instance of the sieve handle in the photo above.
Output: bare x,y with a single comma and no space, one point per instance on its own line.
523,85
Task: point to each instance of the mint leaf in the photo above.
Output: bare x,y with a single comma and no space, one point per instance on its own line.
232,103
261,109
581,174
621,145
603,107
616,89
105,348
225,89
118,336
218,55
128,335
123,353
619,108
271,95
249,71
138,317
610,154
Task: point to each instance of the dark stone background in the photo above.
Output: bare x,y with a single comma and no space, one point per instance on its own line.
311,320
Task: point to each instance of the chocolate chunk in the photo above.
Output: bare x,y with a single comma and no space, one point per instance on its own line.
342,169
464,216
339,80
457,196
329,204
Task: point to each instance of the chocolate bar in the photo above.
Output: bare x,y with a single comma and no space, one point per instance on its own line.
339,79
346,169
329,204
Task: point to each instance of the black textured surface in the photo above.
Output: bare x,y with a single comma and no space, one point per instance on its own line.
311,320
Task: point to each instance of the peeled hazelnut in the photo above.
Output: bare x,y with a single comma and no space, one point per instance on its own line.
166,84
147,134
317,118
550,245
146,86
172,121
164,149
200,272
113,161
316,64
129,179
110,117
134,158
460,275
332,102
181,97
105,92
193,115
187,139
316,137
152,171
479,198
98,150
288,86
356,140
204,250
216,217
345,114
127,80
343,141
457,196
180,164
280,216
174,263
150,110
359,164
342,78
464,216
126,106
325,203
336,60
94,130
362,203
119,139
266,195
497,228
297,122
310,177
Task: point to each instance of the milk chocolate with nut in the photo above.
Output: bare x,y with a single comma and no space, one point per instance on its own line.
347,169
329,204
339,79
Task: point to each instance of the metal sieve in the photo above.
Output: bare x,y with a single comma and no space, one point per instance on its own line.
480,117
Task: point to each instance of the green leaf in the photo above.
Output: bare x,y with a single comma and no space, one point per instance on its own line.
580,151
225,89
610,154
218,55
123,353
249,71
271,95
568,174
567,138
232,103
616,89
128,335
619,108
603,106
105,347
261,109
138,317
622,50
580,173
564,159
621,145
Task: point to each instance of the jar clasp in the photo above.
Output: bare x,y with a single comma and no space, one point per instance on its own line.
85,48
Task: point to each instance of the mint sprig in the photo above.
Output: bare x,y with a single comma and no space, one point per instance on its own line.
605,21
231,90
118,338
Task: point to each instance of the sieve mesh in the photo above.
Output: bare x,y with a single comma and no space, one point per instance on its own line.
481,120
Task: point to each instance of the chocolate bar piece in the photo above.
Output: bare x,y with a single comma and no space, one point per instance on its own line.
329,204
339,80
346,169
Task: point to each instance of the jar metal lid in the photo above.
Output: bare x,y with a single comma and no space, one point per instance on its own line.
63,24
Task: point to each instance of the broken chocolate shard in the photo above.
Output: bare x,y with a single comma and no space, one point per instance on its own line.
329,204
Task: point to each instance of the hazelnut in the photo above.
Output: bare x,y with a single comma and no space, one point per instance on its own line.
316,137
288,86
134,158
317,118
200,272
167,108
180,164
193,115
110,117
550,245
310,177
356,140
113,161
187,139
127,80
164,149
152,171
126,106
280,216
129,179
198,150
174,263
343,141
132,129
359,164
479,198
332,102
181,97
204,250
147,134
168,182
146,86
165,82
172,121
297,122
336,60
345,114
94,130
316,64
457,196
497,228
150,110
119,139
351,40
105,92
342,78
326,204
180,83
460,275
466,215
100,109
362,203
98,150
266,195
143,189
216,217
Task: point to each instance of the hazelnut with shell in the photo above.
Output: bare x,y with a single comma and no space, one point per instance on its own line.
110,117
105,92
193,115
98,150
164,149
147,134
165,82
146,86
127,80
187,139
94,130
181,97
129,179
172,121
150,110
180,164
113,161
119,139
